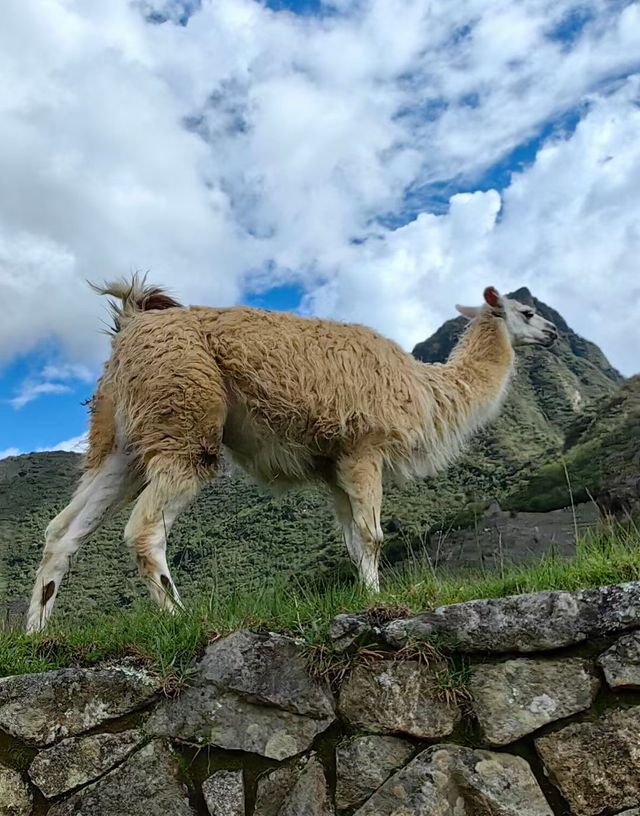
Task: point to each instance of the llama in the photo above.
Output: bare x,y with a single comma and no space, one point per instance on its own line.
290,399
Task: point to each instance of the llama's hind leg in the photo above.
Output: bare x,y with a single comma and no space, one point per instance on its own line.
169,491
99,491
360,477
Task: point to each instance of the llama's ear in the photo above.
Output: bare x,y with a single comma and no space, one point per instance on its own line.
468,311
492,297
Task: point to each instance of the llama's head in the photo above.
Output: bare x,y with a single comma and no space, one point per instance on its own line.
524,324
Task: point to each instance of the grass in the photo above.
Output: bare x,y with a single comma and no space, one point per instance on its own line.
168,645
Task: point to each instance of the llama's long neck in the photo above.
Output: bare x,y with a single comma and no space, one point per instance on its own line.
481,364
466,392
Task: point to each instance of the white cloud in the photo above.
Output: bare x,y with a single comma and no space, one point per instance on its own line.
568,227
68,371
4,454
55,378
31,391
303,132
97,175
77,444
571,226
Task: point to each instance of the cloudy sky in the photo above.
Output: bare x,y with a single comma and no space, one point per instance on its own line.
369,160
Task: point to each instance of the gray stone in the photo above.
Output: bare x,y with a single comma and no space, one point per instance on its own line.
300,790
15,797
268,669
539,621
450,780
514,698
205,715
364,763
224,793
77,761
42,708
397,696
596,765
147,783
621,663
273,788
309,796
249,693
347,629
633,812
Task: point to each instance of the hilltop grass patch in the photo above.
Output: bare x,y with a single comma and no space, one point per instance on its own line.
168,645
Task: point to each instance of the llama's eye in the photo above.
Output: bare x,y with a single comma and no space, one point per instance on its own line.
528,315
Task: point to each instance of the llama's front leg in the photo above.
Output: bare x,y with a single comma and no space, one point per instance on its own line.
148,529
99,490
344,514
360,477
368,546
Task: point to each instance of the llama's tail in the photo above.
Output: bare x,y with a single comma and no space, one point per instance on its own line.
133,295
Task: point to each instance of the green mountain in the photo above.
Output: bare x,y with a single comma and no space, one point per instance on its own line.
601,451
237,535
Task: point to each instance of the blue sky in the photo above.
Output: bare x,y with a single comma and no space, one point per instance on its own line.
373,161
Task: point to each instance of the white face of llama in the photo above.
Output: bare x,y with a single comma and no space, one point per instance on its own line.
525,325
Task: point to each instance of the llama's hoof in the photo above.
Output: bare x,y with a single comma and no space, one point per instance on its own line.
34,627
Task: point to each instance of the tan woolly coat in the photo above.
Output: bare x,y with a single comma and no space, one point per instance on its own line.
288,396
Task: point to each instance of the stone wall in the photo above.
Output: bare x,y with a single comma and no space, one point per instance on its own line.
525,706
